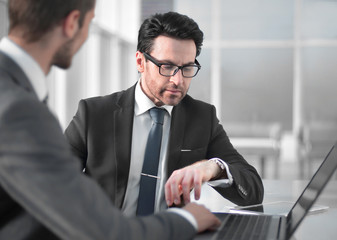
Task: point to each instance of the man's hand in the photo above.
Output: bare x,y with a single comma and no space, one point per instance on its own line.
182,181
205,219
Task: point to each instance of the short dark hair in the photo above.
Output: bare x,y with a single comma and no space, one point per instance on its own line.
171,24
37,17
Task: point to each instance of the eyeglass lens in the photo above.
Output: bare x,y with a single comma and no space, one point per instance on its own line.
171,70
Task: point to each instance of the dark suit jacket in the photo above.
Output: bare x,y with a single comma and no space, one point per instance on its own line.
43,192
101,131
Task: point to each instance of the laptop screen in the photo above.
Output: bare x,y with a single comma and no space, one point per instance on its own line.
312,191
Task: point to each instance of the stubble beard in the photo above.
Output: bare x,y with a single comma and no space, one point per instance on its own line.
63,56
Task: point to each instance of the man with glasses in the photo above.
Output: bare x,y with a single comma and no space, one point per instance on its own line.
110,133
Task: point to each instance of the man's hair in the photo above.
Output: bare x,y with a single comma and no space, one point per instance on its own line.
169,24
37,17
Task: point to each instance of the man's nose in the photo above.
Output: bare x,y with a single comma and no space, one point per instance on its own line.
177,79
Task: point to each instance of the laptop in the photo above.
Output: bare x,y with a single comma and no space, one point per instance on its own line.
264,226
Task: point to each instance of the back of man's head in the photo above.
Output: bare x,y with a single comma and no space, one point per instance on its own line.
37,17
169,24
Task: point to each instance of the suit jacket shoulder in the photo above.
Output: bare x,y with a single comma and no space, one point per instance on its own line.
115,100
13,75
104,125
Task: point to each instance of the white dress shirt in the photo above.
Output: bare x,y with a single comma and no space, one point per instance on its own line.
29,66
142,123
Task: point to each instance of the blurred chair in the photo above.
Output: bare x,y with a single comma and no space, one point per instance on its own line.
316,141
258,140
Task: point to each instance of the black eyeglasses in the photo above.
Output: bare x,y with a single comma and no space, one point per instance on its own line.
168,70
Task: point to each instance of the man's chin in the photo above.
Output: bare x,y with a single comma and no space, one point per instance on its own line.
172,101
64,65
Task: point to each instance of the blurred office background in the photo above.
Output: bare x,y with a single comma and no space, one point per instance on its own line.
269,66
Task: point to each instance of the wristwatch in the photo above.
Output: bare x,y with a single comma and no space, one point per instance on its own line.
219,162
221,165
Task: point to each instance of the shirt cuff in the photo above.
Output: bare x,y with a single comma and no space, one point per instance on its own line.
187,215
222,182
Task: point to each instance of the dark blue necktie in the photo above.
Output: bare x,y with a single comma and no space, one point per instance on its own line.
148,179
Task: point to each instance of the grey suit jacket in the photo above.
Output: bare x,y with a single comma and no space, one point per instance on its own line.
43,193
101,135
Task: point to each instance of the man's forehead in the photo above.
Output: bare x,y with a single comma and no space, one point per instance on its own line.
167,46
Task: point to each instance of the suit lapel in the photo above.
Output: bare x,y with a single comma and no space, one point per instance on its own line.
177,133
15,72
123,119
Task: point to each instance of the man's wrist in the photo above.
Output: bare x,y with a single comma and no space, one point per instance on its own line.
221,166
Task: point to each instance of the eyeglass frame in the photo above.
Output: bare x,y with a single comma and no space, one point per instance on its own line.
158,64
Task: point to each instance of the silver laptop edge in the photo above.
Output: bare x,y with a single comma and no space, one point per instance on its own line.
312,191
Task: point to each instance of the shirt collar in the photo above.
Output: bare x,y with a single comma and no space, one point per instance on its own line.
143,103
29,66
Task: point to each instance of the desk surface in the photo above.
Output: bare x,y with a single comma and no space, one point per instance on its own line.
320,225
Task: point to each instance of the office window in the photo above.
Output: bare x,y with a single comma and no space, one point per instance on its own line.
105,63
200,84
319,19
319,34
257,19
150,7
267,61
319,87
251,84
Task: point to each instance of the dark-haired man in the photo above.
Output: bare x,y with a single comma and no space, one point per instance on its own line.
43,193
110,133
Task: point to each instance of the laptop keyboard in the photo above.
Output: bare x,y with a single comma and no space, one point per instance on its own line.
236,226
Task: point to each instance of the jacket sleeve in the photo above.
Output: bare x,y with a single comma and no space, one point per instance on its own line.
75,133
36,172
247,187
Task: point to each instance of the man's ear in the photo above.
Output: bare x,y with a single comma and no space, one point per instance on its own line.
70,23
140,59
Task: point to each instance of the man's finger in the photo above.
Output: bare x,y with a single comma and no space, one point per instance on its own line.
197,185
168,195
174,182
187,185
